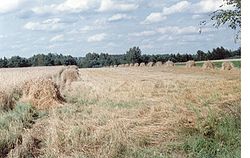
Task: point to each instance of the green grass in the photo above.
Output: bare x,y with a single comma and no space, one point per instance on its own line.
218,137
12,124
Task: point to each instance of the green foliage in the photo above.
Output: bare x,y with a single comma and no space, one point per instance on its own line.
133,55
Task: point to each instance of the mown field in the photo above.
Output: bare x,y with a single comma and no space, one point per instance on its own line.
130,112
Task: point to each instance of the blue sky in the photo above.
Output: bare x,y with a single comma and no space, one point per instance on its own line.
77,27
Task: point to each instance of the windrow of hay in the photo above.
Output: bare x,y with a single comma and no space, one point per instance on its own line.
142,64
227,65
190,64
158,63
150,64
41,93
208,65
169,63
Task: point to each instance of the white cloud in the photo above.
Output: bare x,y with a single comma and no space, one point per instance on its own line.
109,5
144,33
205,6
118,17
57,38
46,25
97,37
176,8
154,18
178,30
7,6
161,16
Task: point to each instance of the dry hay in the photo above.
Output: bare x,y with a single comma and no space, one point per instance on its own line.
158,63
115,65
136,64
142,64
126,65
208,65
41,93
150,64
73,67
190,63
6,100
169,63
68,76
227,65
131,64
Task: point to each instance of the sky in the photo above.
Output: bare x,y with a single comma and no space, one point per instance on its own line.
76,27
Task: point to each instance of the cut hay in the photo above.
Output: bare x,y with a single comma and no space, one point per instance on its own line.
73,67
115,65
150,64
190,63
68,76
208,65
121,65
41,93
131,64
158,63
142,64
136,64
227,65
7,101
169,63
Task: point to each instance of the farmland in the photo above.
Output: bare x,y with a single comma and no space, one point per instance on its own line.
128,112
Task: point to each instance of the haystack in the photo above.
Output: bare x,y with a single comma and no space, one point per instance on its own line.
169,63
115,65
208,65
150,64
227,65
136,64
73,67
158,63
68,76
41,93
131,64
126,65
7,101
121,65
190,63
142,64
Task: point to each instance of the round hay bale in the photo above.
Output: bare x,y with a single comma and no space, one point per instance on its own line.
136,64
208,65
169,63
227,65
42,93
131,64
7,101
190,64
158,63
150,64
142,64
126,65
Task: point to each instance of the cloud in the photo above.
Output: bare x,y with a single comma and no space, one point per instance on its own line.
161,16
54,24
97,37
205,6
178,30
118,17
144,33
57,38
7,6
109,5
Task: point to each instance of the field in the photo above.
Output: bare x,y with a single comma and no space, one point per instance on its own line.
129,112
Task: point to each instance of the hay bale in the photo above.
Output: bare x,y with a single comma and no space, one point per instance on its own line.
68,76
115,65
7,101
158,63
169,63
142,64
131,64
227,65
208,65
121,65
73,67
136,64
150,64
41,93
190,63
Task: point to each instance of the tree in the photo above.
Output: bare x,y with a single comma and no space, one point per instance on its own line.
133,55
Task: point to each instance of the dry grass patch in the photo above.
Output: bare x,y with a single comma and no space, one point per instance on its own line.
227,65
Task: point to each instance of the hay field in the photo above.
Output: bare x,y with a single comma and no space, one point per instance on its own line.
130,112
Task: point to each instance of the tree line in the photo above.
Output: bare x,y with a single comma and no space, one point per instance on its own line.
133,55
